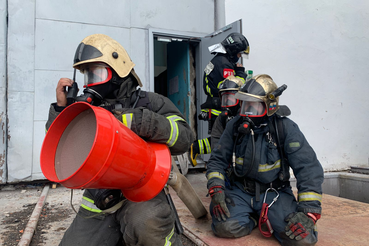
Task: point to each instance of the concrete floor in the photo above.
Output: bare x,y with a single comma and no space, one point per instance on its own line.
15,200
344,222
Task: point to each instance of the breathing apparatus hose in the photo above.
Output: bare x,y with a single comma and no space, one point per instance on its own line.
252,158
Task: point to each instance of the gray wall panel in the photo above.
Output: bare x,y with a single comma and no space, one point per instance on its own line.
38,137
45,90
108,13
20,142
20,88
55,50
3,116
190,15
21,45
139,55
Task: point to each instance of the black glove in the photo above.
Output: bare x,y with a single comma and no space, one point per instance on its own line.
219,198
299,225
105,198
204,116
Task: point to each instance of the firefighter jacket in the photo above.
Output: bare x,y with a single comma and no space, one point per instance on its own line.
266,166
155,118
218,128
219,68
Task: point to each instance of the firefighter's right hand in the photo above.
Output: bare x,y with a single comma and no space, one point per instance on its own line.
204,116
218,198
61,92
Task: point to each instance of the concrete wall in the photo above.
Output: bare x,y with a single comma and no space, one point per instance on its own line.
3,115
353,186
320,49
42,38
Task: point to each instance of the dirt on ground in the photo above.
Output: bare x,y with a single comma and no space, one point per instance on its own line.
54,219
16,223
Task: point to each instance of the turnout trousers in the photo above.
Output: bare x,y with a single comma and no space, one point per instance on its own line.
143,223
246,210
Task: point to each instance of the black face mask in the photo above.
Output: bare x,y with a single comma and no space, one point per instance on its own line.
232,111
259,120
95,94
234,59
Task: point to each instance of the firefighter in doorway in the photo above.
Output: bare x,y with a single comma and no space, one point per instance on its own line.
225,63
248,171
111,82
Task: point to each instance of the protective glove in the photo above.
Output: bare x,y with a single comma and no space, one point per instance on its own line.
218,198
299,225
204,116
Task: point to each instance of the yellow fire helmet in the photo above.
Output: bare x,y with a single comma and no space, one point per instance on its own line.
260,89
102,48
227,91
231,83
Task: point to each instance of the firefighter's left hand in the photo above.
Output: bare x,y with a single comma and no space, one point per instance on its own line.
299,225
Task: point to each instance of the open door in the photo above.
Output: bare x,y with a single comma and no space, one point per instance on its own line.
178,76
179,62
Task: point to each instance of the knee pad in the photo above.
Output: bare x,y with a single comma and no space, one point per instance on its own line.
231,229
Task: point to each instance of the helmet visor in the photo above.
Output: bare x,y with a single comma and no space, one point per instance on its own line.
253,109
96,74
228,99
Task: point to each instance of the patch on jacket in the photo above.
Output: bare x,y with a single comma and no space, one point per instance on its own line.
294,145
209,68
227,72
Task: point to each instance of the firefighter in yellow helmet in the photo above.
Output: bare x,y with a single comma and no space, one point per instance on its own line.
262,144
111,82
230,106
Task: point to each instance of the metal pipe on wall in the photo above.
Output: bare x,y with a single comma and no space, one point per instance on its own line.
3,90
219,14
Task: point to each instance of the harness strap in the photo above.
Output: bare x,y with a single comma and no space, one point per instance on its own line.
140,99
277,130
252,186
257,191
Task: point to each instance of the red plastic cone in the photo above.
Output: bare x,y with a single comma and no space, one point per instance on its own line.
87,147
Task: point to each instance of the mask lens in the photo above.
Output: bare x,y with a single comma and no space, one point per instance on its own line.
253,109
96,74
228,99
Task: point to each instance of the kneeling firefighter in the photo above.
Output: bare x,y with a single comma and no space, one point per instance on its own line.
110,82
248,171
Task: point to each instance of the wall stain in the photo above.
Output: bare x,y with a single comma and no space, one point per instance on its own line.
2,163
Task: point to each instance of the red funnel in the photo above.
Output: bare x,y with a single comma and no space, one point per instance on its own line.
87,147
